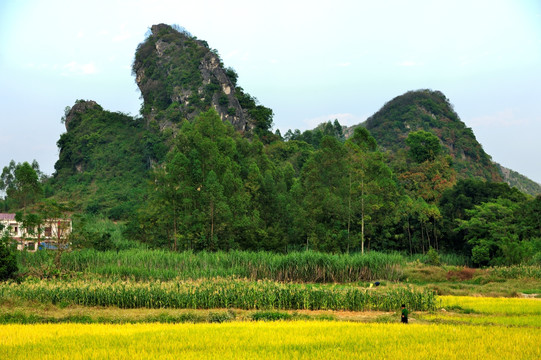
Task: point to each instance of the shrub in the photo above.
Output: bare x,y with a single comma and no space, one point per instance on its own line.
433,257
220,317
8,260
270,316
223,100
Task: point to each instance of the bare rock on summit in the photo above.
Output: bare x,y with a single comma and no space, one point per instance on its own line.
81,106
180,76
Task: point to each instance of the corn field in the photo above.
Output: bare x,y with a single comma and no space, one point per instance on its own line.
162,265
217,293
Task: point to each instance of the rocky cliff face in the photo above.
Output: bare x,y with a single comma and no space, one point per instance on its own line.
180,76
520,181
80,107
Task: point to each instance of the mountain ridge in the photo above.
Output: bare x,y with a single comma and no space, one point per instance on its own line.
92,149
431,111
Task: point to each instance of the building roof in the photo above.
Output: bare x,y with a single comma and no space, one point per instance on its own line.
5,216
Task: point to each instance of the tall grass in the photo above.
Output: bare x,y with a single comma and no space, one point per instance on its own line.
517,271
163,265
217,293
446,259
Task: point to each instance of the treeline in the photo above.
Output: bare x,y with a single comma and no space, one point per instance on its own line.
219,191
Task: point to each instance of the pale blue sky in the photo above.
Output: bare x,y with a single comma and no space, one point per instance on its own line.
310,61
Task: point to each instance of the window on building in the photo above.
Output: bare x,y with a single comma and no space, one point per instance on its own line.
48,231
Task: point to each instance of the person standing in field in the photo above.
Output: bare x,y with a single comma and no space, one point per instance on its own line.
405,312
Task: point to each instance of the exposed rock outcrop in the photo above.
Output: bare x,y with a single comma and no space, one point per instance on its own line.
80,107
180,76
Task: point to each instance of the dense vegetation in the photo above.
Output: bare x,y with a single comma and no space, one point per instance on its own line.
8,258
183,177
148,265
217,190
431,111
104,161
216,293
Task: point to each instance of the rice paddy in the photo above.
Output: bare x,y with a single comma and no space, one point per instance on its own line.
268,340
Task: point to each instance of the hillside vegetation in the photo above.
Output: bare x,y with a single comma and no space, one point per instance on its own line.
104,160
200,170
431,111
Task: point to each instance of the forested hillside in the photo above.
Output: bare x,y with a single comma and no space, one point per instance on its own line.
104,160
200,170
431,111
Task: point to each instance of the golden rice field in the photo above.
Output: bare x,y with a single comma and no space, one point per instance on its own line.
487,328
489,305
487,311
268,340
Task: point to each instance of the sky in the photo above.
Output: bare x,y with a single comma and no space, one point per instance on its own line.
309,61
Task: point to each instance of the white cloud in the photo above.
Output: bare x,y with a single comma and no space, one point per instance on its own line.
79,69
343,118
504,118
235,54
230,54
124,34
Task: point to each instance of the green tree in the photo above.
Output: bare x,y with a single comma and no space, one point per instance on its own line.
371,190
8,260
206,195
325,194
424,146
465,195
217,214
21,183
33,223
490,228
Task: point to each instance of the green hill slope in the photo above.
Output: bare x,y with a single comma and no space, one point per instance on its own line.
104,159
431,111
520,181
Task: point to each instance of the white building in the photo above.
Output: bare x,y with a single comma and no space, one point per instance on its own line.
52,232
